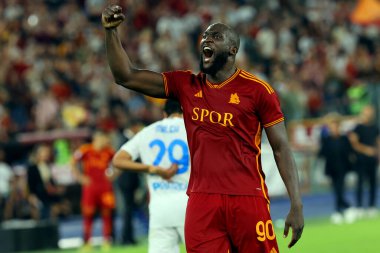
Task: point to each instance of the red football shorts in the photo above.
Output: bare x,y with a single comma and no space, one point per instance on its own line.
218,223
97,197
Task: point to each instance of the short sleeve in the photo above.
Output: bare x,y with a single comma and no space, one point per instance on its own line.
174,82
269,109
132,146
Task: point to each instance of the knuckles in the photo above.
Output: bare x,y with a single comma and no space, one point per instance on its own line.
109,12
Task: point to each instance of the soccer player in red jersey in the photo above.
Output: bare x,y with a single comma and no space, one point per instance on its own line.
225,110
97,192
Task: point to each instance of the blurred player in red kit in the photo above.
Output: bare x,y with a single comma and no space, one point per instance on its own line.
225,110
97,192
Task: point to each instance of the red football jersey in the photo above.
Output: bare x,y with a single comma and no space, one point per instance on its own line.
224,123
95,162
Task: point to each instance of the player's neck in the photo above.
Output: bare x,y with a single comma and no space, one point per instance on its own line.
226,72
176,115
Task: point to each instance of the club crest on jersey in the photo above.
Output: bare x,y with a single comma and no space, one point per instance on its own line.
234,99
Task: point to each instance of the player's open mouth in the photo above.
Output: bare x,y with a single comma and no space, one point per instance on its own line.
207,54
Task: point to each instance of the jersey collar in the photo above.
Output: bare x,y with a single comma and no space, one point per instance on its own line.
218,86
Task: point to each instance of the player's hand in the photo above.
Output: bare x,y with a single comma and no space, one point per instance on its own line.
112,174
164,173
295,221
112,17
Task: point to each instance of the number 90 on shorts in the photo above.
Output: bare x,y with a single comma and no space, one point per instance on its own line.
265,231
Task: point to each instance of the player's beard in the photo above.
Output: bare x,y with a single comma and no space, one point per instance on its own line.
219,61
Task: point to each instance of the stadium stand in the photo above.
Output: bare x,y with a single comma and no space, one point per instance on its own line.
56,88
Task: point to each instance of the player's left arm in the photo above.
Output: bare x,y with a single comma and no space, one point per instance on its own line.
278,140
123,161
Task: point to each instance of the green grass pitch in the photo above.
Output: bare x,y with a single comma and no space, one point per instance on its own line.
319,236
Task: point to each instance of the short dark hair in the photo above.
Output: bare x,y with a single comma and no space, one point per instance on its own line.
172,106
234,38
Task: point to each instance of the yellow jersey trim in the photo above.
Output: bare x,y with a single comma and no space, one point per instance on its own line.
257,144
274,122
254,78
165,85
218,86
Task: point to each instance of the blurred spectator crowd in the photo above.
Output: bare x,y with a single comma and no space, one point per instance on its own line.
54,74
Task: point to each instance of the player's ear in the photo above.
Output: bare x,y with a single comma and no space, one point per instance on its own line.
233,51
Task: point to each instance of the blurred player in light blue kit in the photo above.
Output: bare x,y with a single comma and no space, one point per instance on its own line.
163,150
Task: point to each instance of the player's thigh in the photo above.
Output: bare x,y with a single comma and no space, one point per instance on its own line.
250,225
88,201
205,227
163,240
107,200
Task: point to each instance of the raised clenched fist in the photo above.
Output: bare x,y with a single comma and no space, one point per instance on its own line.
112,16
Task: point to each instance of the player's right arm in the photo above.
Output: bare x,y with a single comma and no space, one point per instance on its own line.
125,74
74,166
123,161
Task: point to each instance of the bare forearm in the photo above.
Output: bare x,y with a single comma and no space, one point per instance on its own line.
118,60
147,82
125,74
288,171
364,149
360,147
285,162
123,164
123,161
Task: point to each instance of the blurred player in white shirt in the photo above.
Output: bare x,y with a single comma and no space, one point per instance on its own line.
162,145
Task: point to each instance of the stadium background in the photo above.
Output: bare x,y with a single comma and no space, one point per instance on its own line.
55,85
